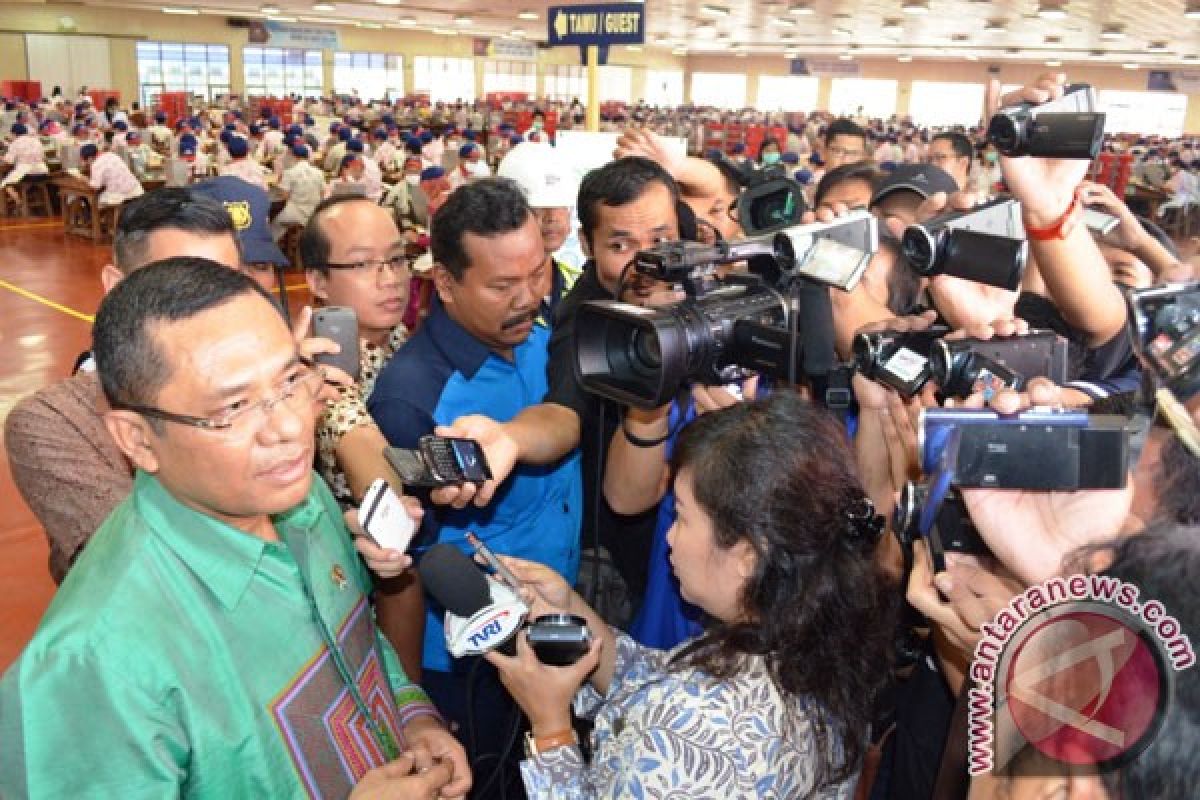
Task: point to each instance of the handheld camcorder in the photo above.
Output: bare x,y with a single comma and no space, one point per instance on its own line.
1069,127
939,518
1166,333
985,244
906,361
769,201
727,327
1036,449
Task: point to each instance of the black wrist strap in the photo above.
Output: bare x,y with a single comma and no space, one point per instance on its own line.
638,441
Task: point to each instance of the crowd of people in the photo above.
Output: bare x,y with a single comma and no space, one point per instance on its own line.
761,623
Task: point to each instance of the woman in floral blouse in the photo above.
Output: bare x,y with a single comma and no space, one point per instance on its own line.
773,541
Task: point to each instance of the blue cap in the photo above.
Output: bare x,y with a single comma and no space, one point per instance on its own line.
160,116
254,130
333,126
300,150
89,150
275,123
308,120
790,158
345,134
516,139
470,135
467,149
349,159
121,125
19,129
388,119
432,173
426,137
804,176
230,126
296,129
354,146
134,136
738,149
238,147
224,136
195,123
381,134
79,127
249,207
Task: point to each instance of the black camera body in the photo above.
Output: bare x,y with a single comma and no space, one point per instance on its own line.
985,244
950,529
897,359
1069,127
1165,322
1041,450
769,201
961,368
559,639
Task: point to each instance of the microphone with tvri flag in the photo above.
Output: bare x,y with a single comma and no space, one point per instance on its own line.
481,614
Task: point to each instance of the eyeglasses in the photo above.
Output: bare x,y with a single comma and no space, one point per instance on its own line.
397,263
842,152
299,388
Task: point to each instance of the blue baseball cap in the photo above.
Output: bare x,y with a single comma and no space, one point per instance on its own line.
300,150
19,129
432,173
349,159
790,158
238,147
354,146
160,116
89,150
249,207
121,125
466,149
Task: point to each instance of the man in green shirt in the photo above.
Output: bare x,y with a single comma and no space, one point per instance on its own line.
214,640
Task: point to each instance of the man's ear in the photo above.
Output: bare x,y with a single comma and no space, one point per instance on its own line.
444,283
110,276
133,435
318,283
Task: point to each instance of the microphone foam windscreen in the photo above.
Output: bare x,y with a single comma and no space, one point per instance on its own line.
454,580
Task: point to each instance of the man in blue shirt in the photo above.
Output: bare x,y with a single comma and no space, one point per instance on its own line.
477,362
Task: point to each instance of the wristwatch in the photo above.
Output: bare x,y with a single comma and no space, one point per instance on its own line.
536,745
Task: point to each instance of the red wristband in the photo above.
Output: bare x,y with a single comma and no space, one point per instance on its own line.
1059,229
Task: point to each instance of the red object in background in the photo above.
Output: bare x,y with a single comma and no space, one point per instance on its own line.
175,104
29,91
1113,170
525,122
275,107
100,97
496,100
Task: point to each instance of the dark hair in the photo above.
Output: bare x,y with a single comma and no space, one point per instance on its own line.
487,207
131,366
314,244
1179,483
815,588
858,171
170,208
844,126
903,282
959,143
616,184
766,142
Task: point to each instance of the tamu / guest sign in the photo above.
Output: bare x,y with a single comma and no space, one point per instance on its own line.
601,25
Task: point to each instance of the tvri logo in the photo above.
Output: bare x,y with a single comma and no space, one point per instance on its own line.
1078,669
496,628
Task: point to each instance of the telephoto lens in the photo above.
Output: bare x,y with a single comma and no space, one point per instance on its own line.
960,372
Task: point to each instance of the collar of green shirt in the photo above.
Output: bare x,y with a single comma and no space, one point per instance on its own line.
222,556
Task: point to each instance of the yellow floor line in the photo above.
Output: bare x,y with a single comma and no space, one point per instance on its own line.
296,287
37,298
27,225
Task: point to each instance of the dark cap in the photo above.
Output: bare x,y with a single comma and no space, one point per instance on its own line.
249,207
924,179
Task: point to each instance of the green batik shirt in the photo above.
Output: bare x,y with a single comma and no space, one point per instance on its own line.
182,657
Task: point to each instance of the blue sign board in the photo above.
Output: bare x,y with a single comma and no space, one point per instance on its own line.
605,24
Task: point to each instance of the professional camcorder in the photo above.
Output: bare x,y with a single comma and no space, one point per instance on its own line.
770,201
985,244
1069,127
726,326
1036,449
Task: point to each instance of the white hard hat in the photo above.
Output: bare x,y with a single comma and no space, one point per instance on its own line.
542,174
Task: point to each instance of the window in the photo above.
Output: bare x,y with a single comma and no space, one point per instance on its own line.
510,76
862,97
1151,113
719,89
444,79
940,105
786,93
200,69
275,72
664,87
616,84
376,76
565,83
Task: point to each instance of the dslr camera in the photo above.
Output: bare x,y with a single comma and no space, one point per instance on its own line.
1166,334
726,328
985,244
1069,127
770,200
1041,450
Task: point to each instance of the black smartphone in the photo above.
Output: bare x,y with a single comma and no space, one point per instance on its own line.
340,324
440,461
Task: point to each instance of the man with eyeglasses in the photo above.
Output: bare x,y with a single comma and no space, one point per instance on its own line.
215,639
952,152
844,143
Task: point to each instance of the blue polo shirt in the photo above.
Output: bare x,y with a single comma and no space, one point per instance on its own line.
443,373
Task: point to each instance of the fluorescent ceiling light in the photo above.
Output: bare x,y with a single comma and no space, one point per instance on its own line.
633,48
1112,33
892,26
388,2
517,33
1156,47
280,18
740,54
781,22
463,19
915,7
180,10
1191,58
904,59
714,11
1054,62
1051,11
371,26
444,31
801,10
324,7
527,15
270,10
972,57
407,22
1193,10
846,57
1130,65
679,51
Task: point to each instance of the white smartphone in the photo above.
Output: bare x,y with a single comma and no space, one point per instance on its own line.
384,518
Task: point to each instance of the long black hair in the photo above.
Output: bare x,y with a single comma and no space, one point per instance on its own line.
779,474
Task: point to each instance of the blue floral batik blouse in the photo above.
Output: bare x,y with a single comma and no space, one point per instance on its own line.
680,733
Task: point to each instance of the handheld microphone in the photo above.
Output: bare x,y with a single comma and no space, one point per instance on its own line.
481,614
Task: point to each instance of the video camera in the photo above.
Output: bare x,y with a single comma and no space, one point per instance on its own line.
1069,127
745,321
1165,323
770,200
985,244
938,515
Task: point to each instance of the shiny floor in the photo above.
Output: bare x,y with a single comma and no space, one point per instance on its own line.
49,290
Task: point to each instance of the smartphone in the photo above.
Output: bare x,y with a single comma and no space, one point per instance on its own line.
384,518
1100,222
440,461
339,324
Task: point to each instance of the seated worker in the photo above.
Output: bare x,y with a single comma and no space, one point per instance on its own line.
253,674
349,180
108,173
242,166
26,157
303,187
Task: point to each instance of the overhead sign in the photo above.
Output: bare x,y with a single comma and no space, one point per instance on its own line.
280,34
825,69
1175,80
601,25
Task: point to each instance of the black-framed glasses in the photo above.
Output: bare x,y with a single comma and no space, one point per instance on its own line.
397,264
302,386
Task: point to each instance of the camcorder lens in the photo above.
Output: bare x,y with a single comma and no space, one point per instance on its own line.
645,352
918,245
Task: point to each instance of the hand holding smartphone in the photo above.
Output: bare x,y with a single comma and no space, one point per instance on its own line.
339,324
440,461
384,518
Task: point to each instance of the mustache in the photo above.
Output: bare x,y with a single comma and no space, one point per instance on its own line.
521,319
